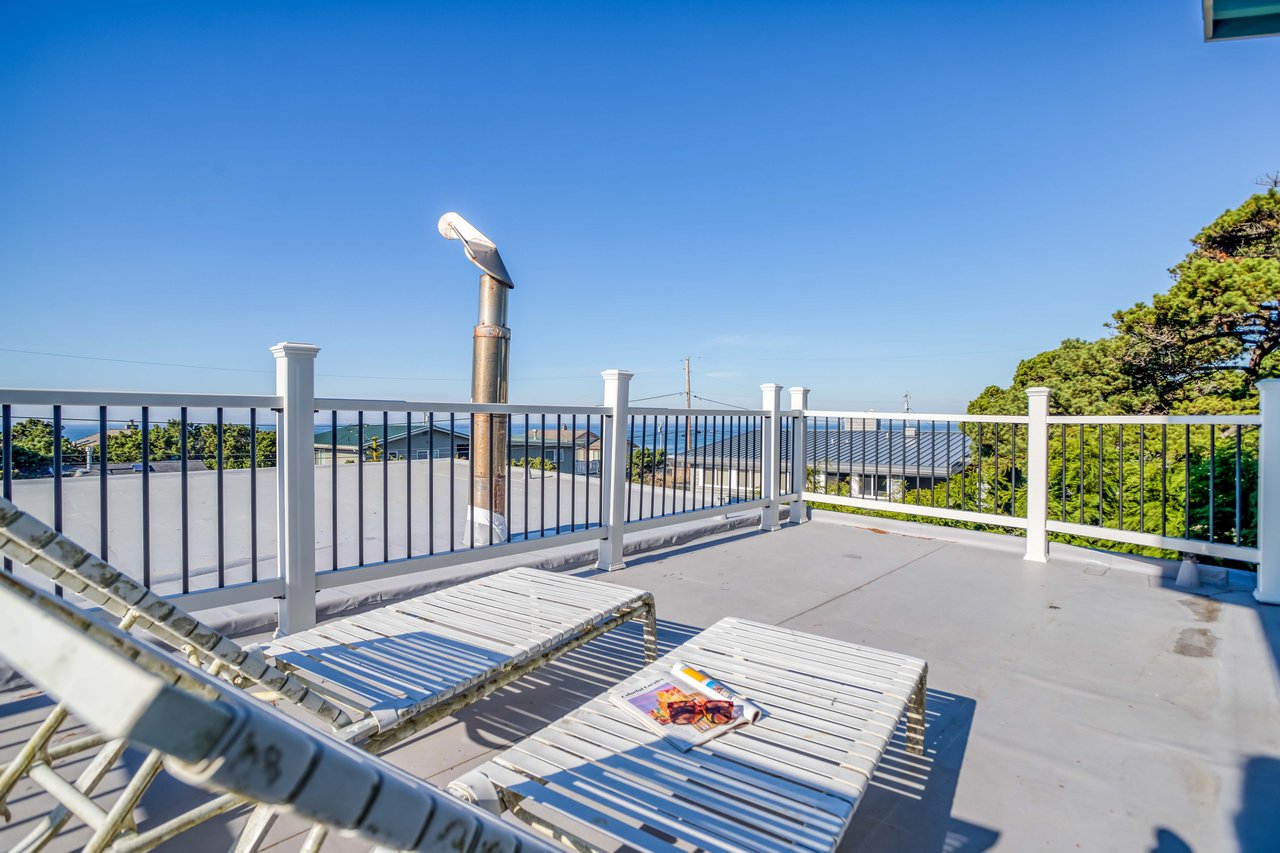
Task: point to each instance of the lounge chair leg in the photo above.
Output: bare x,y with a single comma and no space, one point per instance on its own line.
29,754
477,789
52,823
650,633
915,717
256,829
121,814
315,839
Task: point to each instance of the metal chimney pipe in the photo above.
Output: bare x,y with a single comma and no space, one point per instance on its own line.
490,364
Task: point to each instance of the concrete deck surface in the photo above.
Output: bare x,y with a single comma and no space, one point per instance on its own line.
1072,706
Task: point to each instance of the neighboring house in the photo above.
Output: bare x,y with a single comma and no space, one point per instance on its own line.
576,451
86,452
423,441
872,461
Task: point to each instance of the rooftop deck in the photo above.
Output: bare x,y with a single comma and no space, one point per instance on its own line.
1074,705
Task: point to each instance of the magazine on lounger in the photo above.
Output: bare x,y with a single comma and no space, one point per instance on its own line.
687,707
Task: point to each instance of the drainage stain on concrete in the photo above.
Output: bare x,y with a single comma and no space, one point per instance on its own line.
1203,609
1195,643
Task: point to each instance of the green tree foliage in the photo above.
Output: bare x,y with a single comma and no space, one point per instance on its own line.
32,450
644,462
165,442
1202,346
534,463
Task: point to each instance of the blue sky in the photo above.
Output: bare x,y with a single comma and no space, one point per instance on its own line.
868,199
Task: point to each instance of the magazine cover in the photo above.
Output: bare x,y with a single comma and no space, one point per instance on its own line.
687,707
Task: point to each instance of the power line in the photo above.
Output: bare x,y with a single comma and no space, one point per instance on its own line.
861,357
720,403
658,396
132,361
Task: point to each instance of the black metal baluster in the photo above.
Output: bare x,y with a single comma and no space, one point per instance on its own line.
471,480
333,487
560,458
360,488
386,484
526,475
1164,479
492,420
57,478
253,494
573,479
1120,479
408,484
431,483
220,456
6,460
1186,483
1080,436
1142,477
1239,429
631,442
186,538
995,442
1213,465
453,452
542,478
146,486
1062,439
1102,518
102,482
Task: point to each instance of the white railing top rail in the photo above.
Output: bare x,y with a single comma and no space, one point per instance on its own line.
54,397
346,404
651,411
918,416
1230,420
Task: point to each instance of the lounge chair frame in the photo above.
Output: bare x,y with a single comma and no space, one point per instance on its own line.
212,735
38,547
599,779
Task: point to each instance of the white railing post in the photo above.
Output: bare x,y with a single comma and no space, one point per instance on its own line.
613,477
296,484
1037,474
1267,590
796,513
770,455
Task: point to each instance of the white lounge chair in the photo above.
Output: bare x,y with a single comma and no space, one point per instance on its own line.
212,735
374,678
599,780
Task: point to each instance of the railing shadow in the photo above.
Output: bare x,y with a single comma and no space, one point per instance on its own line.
547,694
908,804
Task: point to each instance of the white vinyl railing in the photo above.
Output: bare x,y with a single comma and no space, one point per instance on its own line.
280,500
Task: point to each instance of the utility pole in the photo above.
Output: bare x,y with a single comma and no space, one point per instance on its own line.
688,393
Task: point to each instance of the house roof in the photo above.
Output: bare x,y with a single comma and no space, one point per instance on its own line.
564,436
349,435
1234,19
839,450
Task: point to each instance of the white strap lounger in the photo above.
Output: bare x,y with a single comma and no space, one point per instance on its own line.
373,679
212,735
599,780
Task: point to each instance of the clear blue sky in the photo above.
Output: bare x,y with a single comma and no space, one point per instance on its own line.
867,198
